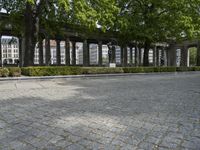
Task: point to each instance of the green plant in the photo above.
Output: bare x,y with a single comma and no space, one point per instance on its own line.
51,71
4,72
101,70
14,72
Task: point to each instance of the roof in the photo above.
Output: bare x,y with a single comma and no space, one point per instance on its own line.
9,40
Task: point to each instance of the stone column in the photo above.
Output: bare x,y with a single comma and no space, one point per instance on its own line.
154,56
0,53
100,52
67,52
125,56
113,59
58,55
140,56
165,57
122,55
131,56
86,56
73,53
184,56
41,55
162,60
172,55
198,53
157,57
136,56
48,52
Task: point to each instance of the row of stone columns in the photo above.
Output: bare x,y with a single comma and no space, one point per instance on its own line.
86,57
184,57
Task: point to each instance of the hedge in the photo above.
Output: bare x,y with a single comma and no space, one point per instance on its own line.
66,70
148,69
11,71
4,72
14,71
101,70
51,71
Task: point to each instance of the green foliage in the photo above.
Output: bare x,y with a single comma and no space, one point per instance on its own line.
184,69
14,71
51,71
101,70
148,69
158,20
4,72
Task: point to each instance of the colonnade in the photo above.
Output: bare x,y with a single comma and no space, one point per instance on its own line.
161,55
135,53
184,54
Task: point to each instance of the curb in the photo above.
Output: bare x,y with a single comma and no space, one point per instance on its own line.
92,76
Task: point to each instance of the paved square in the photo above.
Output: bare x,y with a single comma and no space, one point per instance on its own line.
136,112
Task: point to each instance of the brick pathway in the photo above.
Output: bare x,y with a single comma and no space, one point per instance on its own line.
136,112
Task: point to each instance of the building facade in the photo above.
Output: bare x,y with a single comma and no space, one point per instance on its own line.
9,50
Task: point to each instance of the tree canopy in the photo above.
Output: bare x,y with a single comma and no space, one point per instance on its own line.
151,21
144,21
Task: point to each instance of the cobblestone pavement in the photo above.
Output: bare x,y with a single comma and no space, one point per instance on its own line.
137,112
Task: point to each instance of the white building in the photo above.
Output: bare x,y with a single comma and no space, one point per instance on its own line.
10,50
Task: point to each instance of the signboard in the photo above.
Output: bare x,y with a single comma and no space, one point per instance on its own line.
112,65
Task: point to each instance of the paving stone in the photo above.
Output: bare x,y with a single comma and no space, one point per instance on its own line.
135,112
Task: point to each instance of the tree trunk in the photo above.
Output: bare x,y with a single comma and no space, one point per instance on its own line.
146,53
30,39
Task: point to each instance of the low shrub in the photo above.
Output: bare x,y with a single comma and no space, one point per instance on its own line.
148,69
14,72
101,70
133,69
51,71
66,70
184,69
4,72
197,68
167,69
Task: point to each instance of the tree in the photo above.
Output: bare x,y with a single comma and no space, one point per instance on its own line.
151,21
53,15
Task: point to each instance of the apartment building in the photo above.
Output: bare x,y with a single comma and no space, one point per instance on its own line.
10,50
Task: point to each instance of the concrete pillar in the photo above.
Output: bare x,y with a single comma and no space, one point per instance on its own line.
86,55
171,55
165,57
100,52
154,56
73,53
67,52
113,55
48,52
0,53
125,56
184,56
58,55
140,56
198,53
157,57
122,55
162,59
41,57
131,56
136,56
